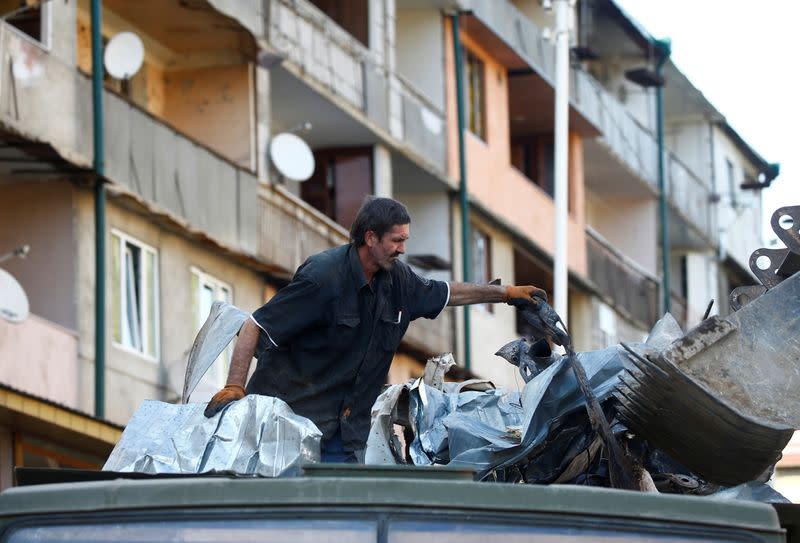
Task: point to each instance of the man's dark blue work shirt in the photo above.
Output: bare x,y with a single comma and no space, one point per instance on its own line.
332,336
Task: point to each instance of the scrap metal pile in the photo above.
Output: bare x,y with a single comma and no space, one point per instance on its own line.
705,412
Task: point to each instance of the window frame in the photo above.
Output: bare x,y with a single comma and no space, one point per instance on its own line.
205,278
474,64
156,296
476,230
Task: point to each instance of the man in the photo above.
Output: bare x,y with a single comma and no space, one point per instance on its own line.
331,333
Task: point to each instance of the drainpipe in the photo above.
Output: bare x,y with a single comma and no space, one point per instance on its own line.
99,214
666,49
462,185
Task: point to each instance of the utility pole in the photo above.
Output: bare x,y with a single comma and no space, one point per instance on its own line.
561,144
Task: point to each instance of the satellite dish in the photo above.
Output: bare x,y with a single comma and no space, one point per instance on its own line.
13,301
124,55
291,156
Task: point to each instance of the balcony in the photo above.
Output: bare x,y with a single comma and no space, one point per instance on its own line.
631,290
623,159
40,358
690,200
156,166
314,46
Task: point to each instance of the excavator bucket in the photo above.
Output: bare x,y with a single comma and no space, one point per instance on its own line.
723,398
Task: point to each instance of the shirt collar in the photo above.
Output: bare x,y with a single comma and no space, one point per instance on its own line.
382,277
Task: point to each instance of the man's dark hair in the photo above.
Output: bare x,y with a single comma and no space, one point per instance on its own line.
379,215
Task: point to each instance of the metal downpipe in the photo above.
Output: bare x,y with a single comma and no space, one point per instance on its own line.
462,185
666,291
99,212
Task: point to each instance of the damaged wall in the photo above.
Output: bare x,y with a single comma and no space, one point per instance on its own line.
213,105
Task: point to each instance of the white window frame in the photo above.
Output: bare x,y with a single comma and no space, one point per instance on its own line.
476,233
217,285
144,248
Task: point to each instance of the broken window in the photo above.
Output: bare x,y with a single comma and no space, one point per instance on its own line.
28,16
134,289
205,291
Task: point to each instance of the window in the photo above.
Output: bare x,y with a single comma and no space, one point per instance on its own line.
534,157
474,94
31,17
480,254
205,291
732,183
134,287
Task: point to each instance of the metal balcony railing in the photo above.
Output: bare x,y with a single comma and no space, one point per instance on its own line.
628,287
313,42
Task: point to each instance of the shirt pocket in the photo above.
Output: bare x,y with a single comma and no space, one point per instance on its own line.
391,330
345,330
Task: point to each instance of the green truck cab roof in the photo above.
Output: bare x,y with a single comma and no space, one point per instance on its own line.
365,489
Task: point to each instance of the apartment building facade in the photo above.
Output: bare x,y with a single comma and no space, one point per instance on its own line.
196,212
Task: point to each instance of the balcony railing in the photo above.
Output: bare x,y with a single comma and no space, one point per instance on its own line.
40,358
292,230
689,196
634,145
45,100
322,50
629,141
629,288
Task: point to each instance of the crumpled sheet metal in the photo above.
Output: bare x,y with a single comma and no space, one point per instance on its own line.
221,326
258,435
486,430
498,428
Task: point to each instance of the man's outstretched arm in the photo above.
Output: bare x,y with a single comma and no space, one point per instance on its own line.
476,293
240,365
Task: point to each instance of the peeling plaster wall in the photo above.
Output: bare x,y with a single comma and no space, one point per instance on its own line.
213,106
131,377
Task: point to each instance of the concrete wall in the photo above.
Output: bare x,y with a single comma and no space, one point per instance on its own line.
430,227
630,225
595,325
214,106
420,30
493,329
40,358
740,227
689,141
496,184
41,215
132,377
702,282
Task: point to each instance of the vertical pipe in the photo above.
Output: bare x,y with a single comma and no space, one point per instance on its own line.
561,141
462,185
666,292
99,213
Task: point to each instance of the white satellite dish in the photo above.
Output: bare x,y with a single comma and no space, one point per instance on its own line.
291,156
13,301
124,55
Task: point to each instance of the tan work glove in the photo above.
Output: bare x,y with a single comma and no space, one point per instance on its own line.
229,394
525,292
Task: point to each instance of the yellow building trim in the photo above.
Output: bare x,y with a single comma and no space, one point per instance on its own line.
62,418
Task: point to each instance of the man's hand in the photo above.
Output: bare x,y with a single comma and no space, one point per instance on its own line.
229,394
525,292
